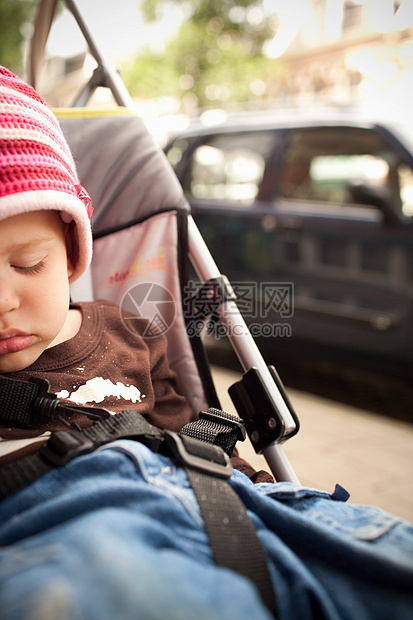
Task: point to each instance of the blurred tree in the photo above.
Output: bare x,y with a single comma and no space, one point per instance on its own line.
14,14
215,57
240,18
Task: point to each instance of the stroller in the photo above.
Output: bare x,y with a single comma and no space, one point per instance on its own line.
143,236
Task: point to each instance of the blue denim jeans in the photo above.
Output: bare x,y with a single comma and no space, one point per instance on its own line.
117,534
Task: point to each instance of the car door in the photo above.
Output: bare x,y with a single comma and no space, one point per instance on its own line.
344,237
228,179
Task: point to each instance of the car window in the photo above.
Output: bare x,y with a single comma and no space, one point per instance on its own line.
229,166
345,166
405,174
176,151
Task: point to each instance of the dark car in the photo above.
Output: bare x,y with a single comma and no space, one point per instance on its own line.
311,219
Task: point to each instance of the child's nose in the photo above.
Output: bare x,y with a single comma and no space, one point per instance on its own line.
8,298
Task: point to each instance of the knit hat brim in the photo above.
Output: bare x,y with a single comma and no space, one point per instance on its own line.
70,208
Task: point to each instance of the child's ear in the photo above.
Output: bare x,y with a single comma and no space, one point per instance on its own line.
69,249
70,268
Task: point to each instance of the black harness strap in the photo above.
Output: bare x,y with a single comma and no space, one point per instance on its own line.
232,536
63,446
17,398
201,448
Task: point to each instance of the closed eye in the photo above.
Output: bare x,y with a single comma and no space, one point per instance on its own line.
32,269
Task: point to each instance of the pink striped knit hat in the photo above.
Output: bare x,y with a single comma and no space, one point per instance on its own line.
37,170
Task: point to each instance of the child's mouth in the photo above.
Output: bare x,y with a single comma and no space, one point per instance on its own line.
15,343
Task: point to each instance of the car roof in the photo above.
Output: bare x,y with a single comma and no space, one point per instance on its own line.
218,121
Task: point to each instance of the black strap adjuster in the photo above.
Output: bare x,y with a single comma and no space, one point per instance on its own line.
216,427
63,446
197,455
236,423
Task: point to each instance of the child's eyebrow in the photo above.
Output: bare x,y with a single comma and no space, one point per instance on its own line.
30,243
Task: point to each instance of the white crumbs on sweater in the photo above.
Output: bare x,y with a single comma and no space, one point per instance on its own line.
97,389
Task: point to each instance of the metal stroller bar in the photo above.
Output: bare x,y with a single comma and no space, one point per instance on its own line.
109,76
105,73
245,349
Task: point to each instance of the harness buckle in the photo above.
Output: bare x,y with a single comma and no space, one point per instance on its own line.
63,446
213,460
47,404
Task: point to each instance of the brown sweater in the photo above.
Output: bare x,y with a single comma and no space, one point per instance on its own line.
107,365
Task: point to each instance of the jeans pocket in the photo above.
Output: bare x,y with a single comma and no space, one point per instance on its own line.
356,521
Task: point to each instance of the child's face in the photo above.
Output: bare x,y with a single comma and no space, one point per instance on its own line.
34,286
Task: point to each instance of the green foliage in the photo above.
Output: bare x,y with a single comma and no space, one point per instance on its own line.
223,15
14,14
148,77
215,57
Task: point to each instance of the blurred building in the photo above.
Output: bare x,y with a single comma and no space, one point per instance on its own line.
346,52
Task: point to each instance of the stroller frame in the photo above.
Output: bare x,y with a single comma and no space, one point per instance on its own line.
259,397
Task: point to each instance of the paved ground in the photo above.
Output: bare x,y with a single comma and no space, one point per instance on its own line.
370,455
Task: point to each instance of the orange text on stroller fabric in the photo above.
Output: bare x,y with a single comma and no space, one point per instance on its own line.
138,268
